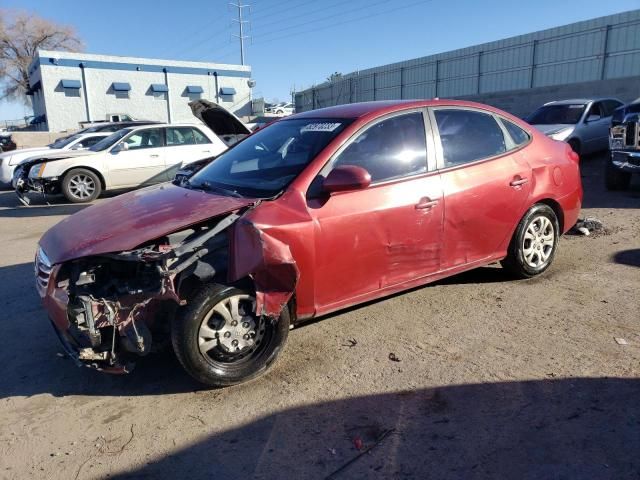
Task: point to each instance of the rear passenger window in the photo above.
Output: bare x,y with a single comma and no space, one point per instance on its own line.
200,137
467,136
518,135
180,136
390,149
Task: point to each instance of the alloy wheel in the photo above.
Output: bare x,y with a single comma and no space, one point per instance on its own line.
82,186
538,242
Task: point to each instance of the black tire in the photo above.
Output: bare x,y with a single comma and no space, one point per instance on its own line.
516,262
616,179
219,367
71,185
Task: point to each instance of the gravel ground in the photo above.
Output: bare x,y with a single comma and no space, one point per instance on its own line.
494,378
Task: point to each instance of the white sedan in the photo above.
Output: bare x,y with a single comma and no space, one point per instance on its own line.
9,160
131,157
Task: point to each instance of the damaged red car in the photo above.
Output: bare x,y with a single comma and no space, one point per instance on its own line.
317,212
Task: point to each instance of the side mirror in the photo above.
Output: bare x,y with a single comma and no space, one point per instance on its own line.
593,118
77,146
345,178
121,147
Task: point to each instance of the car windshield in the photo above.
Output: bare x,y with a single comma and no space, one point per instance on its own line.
63,142
263,164
110,140
557,114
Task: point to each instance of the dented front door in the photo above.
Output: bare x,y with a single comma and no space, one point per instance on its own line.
388,233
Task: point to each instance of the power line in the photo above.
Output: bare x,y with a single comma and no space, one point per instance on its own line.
328,17
344,22
305,14
278,12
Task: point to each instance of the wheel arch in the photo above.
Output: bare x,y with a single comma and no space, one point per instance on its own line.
557,209
103,183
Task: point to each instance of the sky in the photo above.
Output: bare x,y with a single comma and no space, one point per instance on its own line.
296,43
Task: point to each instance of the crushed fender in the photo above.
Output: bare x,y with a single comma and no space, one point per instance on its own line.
268,262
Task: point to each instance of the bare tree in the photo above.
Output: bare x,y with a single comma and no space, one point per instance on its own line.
21,35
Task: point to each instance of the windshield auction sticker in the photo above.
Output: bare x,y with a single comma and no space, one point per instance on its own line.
320,127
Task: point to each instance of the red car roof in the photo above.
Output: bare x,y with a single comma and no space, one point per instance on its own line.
356,110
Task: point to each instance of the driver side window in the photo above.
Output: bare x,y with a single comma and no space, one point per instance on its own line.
390,149
596,109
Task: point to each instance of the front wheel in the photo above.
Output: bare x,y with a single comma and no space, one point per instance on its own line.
534,243
220,341
80,185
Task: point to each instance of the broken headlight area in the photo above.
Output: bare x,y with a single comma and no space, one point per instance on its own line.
120,305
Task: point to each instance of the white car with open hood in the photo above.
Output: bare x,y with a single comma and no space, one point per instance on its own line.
80,141
131,157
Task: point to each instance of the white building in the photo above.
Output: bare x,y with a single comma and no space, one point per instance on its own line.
69,88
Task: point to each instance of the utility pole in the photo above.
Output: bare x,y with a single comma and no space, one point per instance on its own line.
241,23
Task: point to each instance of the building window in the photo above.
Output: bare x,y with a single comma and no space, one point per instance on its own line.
159,91
71,88
194,92
121,89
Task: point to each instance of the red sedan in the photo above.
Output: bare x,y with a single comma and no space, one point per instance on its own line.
314,213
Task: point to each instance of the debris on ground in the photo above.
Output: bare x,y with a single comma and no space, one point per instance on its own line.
379,440
357,442
393,357
620,341
587,226
351,342
332,451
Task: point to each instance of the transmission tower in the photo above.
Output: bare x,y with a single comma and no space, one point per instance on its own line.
241,22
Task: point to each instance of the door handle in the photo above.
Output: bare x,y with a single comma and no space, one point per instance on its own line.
154,155
206,151
516,182
426,204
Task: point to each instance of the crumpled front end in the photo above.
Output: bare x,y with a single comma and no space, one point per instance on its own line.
109,309
24,184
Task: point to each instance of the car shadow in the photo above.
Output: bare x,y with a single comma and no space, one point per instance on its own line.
628,257
567,428
36,357
43,368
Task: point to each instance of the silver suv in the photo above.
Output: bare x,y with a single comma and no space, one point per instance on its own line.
582,123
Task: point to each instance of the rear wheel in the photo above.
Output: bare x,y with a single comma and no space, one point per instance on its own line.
616,179
220,341
534,243
80,185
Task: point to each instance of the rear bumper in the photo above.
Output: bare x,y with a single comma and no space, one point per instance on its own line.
626,161
571,205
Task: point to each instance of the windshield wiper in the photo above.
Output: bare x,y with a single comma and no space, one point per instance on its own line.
206,186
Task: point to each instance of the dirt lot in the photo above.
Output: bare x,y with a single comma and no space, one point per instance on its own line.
495,379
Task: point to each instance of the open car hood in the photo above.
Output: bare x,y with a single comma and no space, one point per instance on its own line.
129,220
220,120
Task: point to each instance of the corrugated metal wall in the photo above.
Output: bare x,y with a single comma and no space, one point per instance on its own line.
599,49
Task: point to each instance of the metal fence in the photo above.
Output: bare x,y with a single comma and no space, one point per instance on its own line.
598,49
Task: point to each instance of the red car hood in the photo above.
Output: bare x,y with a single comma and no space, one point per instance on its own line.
126,221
